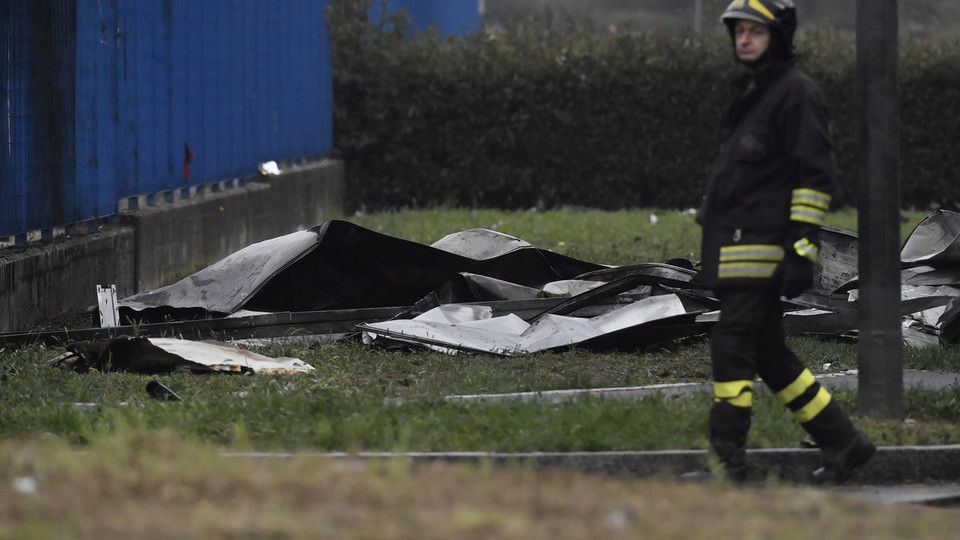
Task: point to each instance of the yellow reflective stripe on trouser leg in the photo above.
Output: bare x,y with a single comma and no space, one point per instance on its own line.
736,393
810,411
797,387
811,197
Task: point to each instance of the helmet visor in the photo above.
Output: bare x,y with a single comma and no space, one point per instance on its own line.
731,17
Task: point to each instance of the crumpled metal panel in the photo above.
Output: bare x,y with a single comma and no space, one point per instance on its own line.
480,243
221,357
338,265
497,250
510,335
949,323
662,270
935,241
569,287
664,278
837,263
927,316
164,355
930,317
915,336
822,322
341,266
930,276
224,286
466,287
475,288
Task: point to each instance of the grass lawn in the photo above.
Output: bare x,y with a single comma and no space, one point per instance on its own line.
153,469
138,484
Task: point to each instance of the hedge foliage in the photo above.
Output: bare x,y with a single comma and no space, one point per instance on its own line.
536,118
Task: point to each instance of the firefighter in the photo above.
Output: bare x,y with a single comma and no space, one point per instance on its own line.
766,198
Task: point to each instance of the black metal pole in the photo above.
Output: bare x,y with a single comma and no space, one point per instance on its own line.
698,17
880,354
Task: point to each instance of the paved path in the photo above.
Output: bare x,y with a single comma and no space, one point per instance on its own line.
920,479
892,465
930,494
912,379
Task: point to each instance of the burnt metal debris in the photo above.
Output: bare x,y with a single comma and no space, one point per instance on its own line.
454,328
340,279
340,265
164,355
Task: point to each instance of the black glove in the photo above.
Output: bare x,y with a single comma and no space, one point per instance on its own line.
797,275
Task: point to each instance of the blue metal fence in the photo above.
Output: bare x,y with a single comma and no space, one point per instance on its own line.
102,100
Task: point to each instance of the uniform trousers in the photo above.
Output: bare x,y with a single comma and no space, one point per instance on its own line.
748,341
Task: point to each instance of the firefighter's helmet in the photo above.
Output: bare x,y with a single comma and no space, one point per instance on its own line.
779,15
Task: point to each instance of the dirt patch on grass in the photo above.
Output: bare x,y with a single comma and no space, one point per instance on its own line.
158,486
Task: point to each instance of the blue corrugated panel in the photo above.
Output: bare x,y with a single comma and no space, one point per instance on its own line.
449,17
137,84
13,77
97,104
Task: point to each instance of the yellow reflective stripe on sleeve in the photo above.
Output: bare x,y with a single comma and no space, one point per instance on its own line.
759,252
806,249
798,386
807,214
736,393
811,197
746,270
810,411
755,4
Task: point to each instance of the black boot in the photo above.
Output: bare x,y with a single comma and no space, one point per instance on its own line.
839,464
843,448
728,438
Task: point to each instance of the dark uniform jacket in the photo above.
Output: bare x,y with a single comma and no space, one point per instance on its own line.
771,184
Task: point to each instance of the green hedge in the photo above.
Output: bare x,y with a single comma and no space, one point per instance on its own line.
544,119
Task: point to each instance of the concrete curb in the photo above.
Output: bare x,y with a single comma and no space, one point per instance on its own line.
891,465
912,379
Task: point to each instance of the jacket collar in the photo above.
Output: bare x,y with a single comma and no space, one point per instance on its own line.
764,75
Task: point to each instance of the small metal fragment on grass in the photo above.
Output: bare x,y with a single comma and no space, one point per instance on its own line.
85,407
161,392
25,484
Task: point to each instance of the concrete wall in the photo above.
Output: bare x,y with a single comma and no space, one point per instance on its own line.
41,283
158,245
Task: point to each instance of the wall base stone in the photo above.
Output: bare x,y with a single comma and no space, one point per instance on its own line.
38,283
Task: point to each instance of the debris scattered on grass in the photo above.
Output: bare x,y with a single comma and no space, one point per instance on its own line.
164,355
